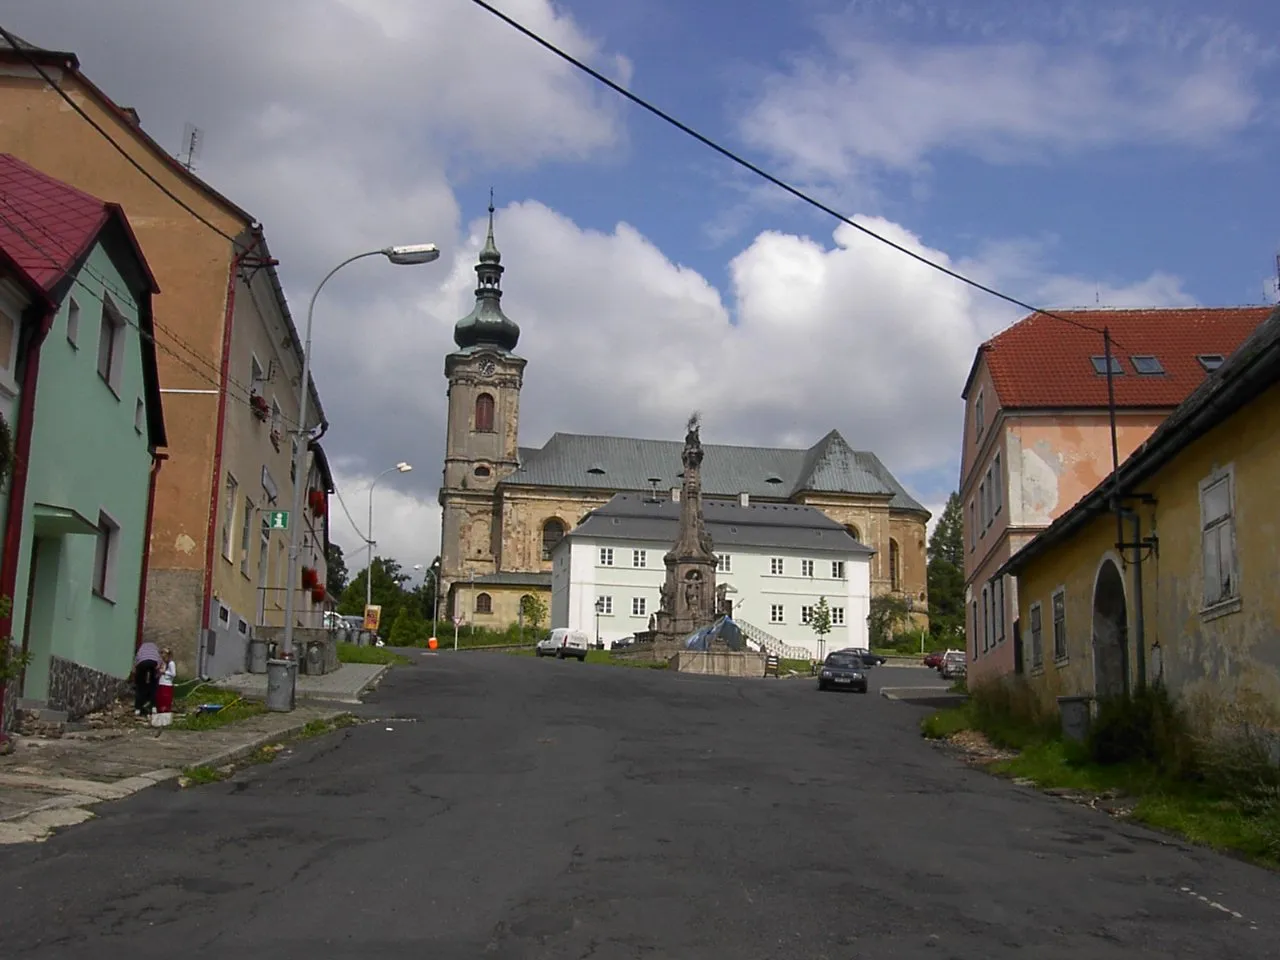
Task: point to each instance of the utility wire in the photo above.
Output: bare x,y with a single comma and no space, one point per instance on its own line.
776,181
350,519
44,74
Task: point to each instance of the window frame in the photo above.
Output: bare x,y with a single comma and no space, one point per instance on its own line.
777,613
837,570
1036,615
543,546
640,559
724,563
777,567
986,618
487,422
105,557
482,604
111,335
806,615
837,616
605,557
246,536
979,414
1058,601
1159,370
605,605
806,568
230,500
73,322
1219,530
639,606
1099,364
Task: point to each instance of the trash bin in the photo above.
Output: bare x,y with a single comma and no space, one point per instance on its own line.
1077,717
282,685
257,656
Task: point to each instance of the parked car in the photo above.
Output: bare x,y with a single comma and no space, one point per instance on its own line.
934,659
622,643
843,671
953,665
562,643
868,658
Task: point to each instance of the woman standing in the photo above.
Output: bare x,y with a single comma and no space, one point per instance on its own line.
145,678
168,673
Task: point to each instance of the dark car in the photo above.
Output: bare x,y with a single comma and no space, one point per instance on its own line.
843,671
934,659
868,658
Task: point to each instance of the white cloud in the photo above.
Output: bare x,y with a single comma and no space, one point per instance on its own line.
860,104
348,124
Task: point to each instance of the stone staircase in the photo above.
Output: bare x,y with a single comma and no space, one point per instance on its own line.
770,644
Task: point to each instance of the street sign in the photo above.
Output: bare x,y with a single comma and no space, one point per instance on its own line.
278,520
458,621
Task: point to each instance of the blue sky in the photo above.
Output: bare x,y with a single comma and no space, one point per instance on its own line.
1067,152
1204,211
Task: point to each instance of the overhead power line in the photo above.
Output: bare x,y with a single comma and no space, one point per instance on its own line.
45,75
775,180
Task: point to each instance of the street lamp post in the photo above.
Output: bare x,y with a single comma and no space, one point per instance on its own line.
599,610
402,256
400,467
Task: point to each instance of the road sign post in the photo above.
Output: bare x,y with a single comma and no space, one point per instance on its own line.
457,622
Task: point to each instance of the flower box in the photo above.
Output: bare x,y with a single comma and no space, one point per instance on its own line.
310,578
318,502
317,593
258,403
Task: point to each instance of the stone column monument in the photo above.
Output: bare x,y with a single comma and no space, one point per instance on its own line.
689,592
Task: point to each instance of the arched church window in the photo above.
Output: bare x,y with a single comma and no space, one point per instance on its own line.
484,603
853,532
484,413
895,566
552,533
482,471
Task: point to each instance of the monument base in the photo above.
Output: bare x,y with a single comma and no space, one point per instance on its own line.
719,663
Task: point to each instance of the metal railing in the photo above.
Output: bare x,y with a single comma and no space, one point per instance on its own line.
772,644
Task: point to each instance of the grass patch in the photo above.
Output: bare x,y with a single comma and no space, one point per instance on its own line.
195,776
235,708
1221,794
946,723
802,667
354,653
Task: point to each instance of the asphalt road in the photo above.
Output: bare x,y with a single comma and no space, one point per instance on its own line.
506,807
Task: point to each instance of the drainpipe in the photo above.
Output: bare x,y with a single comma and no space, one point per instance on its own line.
215,486
38,319
156,460
1139,623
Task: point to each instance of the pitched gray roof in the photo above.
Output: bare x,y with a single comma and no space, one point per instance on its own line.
781,526
583,461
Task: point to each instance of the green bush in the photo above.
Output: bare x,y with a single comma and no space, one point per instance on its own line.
1143,727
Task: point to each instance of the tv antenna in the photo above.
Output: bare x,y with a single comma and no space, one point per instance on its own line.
192,138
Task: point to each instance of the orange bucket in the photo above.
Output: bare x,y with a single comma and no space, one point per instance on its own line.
432,644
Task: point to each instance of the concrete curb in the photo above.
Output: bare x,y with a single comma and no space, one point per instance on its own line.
105,791
941,693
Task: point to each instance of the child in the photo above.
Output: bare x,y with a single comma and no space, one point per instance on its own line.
168,672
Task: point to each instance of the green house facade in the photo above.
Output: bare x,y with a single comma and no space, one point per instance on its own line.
87,426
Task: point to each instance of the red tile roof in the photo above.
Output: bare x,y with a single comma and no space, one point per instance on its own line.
45,225
1045,362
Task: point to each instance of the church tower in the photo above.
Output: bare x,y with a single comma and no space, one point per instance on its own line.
481,445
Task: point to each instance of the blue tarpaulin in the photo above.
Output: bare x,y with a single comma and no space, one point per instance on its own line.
723,631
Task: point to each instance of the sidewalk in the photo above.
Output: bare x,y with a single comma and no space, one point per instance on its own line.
344,685
46,784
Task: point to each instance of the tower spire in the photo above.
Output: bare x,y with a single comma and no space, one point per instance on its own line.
487,323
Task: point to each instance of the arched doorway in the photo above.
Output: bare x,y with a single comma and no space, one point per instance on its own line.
1110,633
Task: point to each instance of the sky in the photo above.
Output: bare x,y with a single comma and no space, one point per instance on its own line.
1067,153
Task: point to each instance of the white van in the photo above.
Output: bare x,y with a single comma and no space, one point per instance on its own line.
562,642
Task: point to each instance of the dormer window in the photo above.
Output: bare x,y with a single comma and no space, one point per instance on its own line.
1210,361
774,480
596,470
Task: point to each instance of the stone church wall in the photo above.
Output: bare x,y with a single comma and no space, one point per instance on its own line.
523,516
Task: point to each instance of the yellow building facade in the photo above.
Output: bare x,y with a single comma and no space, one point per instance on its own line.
1184,592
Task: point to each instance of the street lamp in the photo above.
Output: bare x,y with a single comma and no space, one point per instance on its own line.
404,255
400,467
599,610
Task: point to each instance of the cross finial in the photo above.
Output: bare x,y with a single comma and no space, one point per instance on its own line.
491,203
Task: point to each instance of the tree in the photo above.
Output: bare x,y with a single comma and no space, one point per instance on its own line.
409,627
336,565
946,572
888,613
388,590
534,609
821,624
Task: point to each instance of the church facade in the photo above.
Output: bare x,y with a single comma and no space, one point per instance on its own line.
505,507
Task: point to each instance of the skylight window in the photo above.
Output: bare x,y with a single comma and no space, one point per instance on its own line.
774,480
1147,366
1100,365
596,469
1210,361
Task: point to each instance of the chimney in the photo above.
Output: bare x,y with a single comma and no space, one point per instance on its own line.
675,494
133,115
744,499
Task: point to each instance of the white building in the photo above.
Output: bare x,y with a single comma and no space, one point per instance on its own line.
776,559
